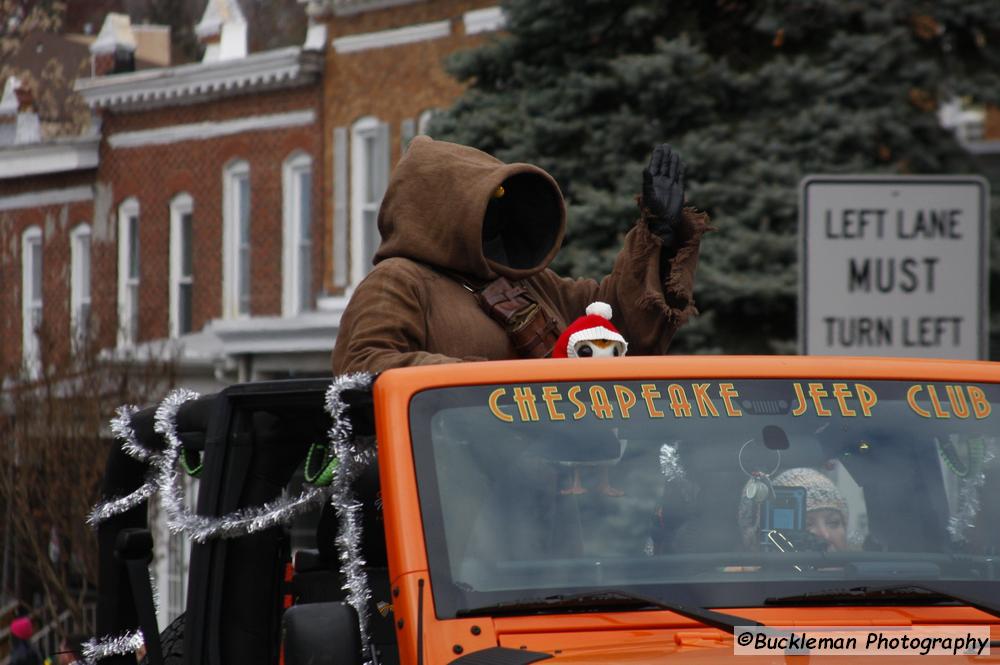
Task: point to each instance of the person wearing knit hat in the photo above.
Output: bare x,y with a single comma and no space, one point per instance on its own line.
22,652
826,508
591,336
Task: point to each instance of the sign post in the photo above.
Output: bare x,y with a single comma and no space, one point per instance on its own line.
894,266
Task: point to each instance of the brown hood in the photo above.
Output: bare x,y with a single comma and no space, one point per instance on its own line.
437,198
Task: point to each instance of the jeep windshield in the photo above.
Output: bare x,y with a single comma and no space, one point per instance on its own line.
709,493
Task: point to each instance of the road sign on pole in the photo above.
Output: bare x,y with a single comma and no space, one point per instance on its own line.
894,266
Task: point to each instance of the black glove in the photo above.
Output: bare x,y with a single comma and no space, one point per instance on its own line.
663,193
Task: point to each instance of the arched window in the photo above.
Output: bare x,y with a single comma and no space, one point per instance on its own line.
236,240
369,178
128,272
181,264
296,258
31,299
79,285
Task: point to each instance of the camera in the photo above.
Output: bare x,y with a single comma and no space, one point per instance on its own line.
785,512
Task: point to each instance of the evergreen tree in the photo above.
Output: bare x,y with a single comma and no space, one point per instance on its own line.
754,95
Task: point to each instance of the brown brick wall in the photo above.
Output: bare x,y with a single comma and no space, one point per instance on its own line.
155,174
394,83
12,186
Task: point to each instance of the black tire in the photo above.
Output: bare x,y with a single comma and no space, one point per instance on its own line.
172,643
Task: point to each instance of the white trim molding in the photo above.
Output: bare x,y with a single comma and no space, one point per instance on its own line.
369,178
180,205
129,285
49,157
187,84
348,7
80,283
237,227
385,38
303,333
484,20
315,38
201,131
47,197
297,234
30,300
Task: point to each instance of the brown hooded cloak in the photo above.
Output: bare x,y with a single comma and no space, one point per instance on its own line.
416,307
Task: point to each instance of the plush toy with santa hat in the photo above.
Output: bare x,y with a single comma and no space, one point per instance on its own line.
592,336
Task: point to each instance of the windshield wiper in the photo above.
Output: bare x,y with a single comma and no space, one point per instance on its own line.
918,592
604,598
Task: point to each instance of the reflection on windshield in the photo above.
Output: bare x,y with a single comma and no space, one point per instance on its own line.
648,483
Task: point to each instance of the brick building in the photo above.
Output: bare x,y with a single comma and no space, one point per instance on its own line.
211,172
219,212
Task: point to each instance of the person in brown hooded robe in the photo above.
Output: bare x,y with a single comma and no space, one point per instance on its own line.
454,219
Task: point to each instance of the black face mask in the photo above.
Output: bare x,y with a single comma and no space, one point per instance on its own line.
493,223
520,227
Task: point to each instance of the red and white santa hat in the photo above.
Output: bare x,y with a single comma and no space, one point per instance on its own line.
595,325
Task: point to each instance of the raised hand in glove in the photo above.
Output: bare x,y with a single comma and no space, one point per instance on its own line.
663,193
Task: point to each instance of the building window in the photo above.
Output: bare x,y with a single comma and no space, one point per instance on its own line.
424,121
128,272
79,289
236,241
181,264
297,235
31,299
369,177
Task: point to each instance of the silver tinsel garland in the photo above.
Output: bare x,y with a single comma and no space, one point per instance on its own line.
251,519
165,423
670,462
352,461
964,517
94,649
121,427
112,507
200,528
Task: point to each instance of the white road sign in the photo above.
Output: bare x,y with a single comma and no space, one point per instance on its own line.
894,266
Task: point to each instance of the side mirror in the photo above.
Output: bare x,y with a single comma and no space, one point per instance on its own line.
322,634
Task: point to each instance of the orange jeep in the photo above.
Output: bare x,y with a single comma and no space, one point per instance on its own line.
584,511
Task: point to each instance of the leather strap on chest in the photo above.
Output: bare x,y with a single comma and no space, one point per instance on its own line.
532,330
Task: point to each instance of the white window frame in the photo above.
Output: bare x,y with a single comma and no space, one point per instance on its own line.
128,285
423,120
296,292
31,303
81,266
232,249
367,128
181,205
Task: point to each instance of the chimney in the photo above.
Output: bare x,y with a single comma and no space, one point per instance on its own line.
222,31
29,129
113,52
